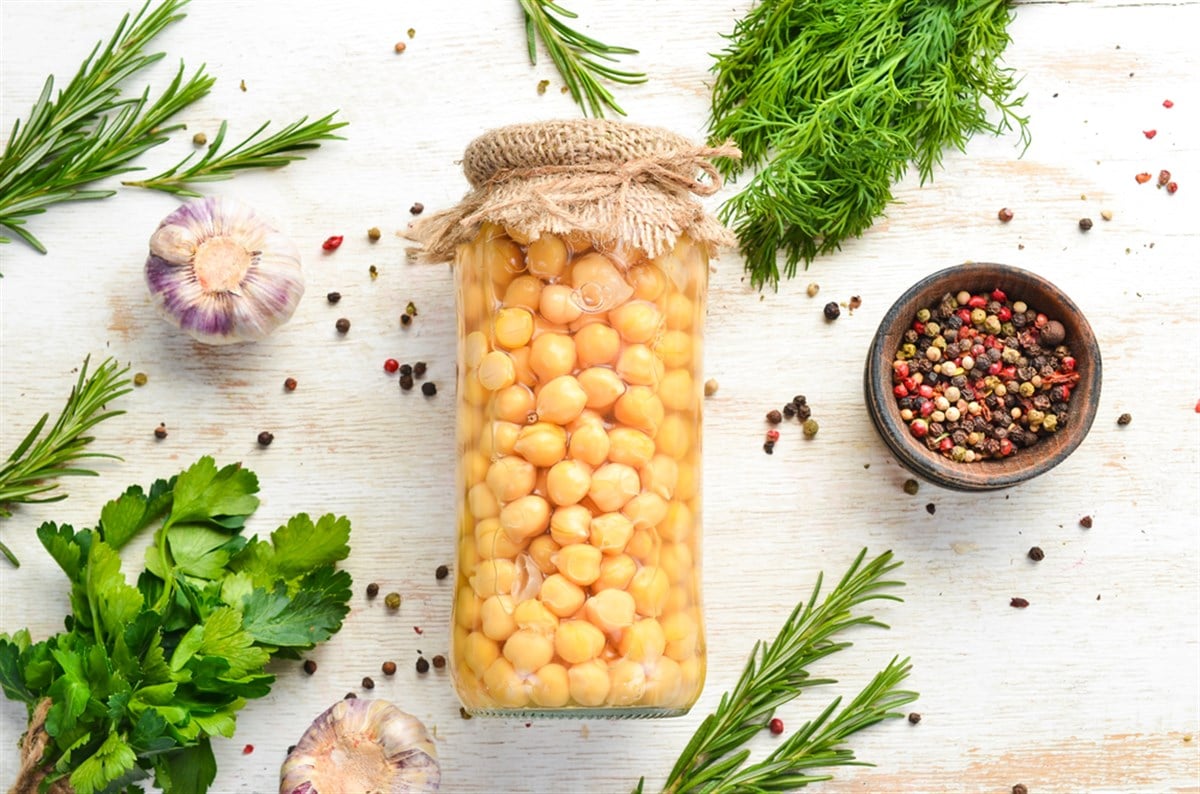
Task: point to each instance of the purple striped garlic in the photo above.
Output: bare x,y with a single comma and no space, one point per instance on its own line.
219,271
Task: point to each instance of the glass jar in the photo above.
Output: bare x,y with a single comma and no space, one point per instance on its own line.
579,418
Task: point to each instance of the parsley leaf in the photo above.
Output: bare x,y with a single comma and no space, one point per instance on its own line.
205,493
187,771
311,616
133,511
296,548
114,600
114,758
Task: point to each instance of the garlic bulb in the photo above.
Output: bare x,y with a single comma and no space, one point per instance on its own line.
220,272
358,746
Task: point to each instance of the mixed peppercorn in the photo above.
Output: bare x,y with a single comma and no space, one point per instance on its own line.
978,376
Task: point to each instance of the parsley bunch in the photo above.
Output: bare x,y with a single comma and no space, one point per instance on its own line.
146,673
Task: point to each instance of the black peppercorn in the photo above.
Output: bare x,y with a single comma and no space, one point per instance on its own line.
389,668
417,208
1005,215
333,297
1053,334
406,382
290,384
429,388
342,325
1086,522
160,432
368,682
789,411
350,696
931,508
422,665
265,438
1020,788
419,368
1124,419
799,400
774,417
914,718
1018,603
1036,554
442,572
1085,224
769,447
406,369
372,589
439,662
832,311
405,319
310,666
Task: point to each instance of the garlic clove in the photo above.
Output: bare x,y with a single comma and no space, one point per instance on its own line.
359,745
219,271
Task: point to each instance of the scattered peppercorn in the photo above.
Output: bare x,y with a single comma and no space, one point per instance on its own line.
405,369
199,139
242,85
374,234
332,243
248,749
1168,104
911,487
350,696
1164,176
373,272
439,662
368,682
441,573
400,47
289,384
710,387
310,666
774,417
392,600
1106,215
140,379
372,589
422,665
813,289
429,388
1018,603
389,668
1149,134
462,712
419,369
914,718
1020,788
405,320
1124,419
855,302
931,508
342,325
542,86
1036,554
810,427
1005,215
772,435
789,411
391,365
769,447
417,208
406,382
1085,223
832,311
1172,187
160,432
776,726
1086,522
411,309
265,438
333,297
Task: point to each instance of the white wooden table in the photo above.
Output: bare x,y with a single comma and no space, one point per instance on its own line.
1095,687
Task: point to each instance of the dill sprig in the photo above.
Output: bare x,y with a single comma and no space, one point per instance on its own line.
832,100
778,672
273,151
27,475
90,131
579,58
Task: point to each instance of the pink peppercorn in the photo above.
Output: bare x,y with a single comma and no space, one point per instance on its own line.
776,726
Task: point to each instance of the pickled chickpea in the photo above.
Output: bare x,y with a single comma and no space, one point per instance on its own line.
645,510
680,313
676,561
482,502
466,608
503,260
568,481
513,327
649,590
561,400
543,550
675,348
524,291
479,652
570,524
685,483
497,618
589,682
691,673
546,257
659,476
682,634
603,387
533,614
648,282
497,371
613,484
580,563
519,237
492,541
610,610
552,355
494,577
514,403
677,525
677,390
639,407
639,366
630,447
475,347
504,438
474,467
679,598
557,304
562,596
590,444
596,344
641,642
505,685
628,683
577,641
664,683
643,546
599,284
525,374
511,478
675,436
636,321
551,688
525,517
616,572
542,444
528,650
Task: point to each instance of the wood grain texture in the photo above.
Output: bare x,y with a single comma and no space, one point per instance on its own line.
1095,687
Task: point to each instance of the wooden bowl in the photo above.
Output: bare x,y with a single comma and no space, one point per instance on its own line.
1024,463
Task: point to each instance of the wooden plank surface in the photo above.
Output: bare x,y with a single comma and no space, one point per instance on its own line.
1095,687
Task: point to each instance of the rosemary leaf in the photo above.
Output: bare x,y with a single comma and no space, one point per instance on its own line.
274,151
578,57
26,476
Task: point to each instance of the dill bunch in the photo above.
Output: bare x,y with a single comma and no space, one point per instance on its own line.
831,101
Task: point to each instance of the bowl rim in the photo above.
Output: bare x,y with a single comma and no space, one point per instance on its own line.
881,403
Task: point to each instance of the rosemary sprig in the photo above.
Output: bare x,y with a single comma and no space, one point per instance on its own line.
90,131
776,673
271,152
25,476
832,100
579,58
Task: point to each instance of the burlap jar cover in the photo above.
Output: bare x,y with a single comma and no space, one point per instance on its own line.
581,264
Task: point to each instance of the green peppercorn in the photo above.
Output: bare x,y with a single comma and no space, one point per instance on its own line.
923,315
911,487
140,379
392,600
908,351
1050,423
810,427
373,233
978,316
1026,389
932,329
